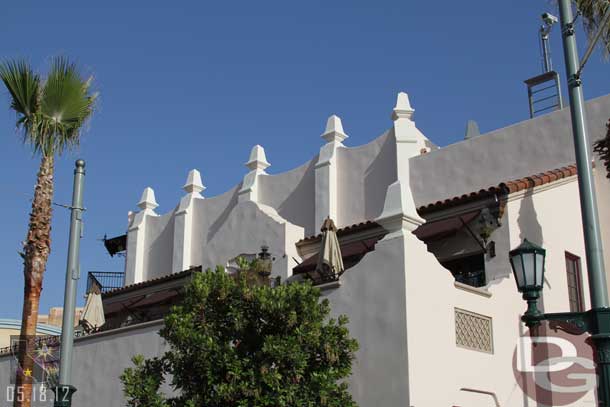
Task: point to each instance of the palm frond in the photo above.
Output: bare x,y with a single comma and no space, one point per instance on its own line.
66,104
23,85
592,12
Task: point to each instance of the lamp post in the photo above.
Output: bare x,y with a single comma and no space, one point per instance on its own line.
596,321
64,390
588,205
527,262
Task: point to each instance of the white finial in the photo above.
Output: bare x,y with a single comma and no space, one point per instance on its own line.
148,201
258,160
334,130
403,107
193,182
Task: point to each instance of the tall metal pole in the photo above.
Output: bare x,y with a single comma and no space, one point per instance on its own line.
544,39
590,220
600,313
64,391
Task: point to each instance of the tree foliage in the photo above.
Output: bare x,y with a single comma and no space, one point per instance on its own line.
592,12
602,147
234,343
50,112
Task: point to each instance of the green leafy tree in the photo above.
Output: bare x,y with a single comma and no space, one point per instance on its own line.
50,115
238,343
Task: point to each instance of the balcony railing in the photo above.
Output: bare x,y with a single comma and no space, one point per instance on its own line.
105,280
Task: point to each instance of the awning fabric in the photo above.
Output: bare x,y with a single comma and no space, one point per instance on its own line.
351,254
445,227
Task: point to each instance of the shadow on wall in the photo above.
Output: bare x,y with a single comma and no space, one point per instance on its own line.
383,168
529,227
214,227
159,256
299,206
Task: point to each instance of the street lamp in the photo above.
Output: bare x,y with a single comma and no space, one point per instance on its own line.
596,321
527,263
264,262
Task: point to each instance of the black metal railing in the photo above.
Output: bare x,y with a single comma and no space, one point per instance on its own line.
105,280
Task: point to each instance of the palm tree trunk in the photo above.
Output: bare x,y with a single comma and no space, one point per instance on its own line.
37,249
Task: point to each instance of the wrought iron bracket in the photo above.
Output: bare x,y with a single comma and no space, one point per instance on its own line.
568,29
595,321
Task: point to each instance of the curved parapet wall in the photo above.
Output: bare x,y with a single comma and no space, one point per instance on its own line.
347,184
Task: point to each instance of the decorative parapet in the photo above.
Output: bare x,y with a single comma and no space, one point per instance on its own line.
257,164
148,203
326,171
136,237
183,222
410,142
399,213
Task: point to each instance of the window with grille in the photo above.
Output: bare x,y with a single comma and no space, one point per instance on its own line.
574,283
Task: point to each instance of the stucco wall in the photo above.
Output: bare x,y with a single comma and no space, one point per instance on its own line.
208,215
401,305
364,174
159,242
520,150
98,362
551,218
372,294
292,194
247,227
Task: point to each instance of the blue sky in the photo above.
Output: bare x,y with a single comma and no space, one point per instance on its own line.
194,84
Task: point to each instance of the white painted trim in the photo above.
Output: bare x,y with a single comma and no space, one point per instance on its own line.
330,285
474,290
120,330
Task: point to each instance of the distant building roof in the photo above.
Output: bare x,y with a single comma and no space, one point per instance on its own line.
40,328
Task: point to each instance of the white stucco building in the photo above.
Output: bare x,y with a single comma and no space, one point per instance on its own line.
425,234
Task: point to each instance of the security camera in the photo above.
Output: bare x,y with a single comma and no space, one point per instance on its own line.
549,19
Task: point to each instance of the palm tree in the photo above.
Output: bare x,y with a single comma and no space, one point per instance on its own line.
50,115
592,12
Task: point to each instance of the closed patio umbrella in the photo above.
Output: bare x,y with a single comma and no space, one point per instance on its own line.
330,261
92,317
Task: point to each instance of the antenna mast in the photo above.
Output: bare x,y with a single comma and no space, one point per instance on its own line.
544,91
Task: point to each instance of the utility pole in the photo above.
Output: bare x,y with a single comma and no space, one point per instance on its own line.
64,389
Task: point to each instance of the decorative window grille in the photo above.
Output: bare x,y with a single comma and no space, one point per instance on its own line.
473,331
